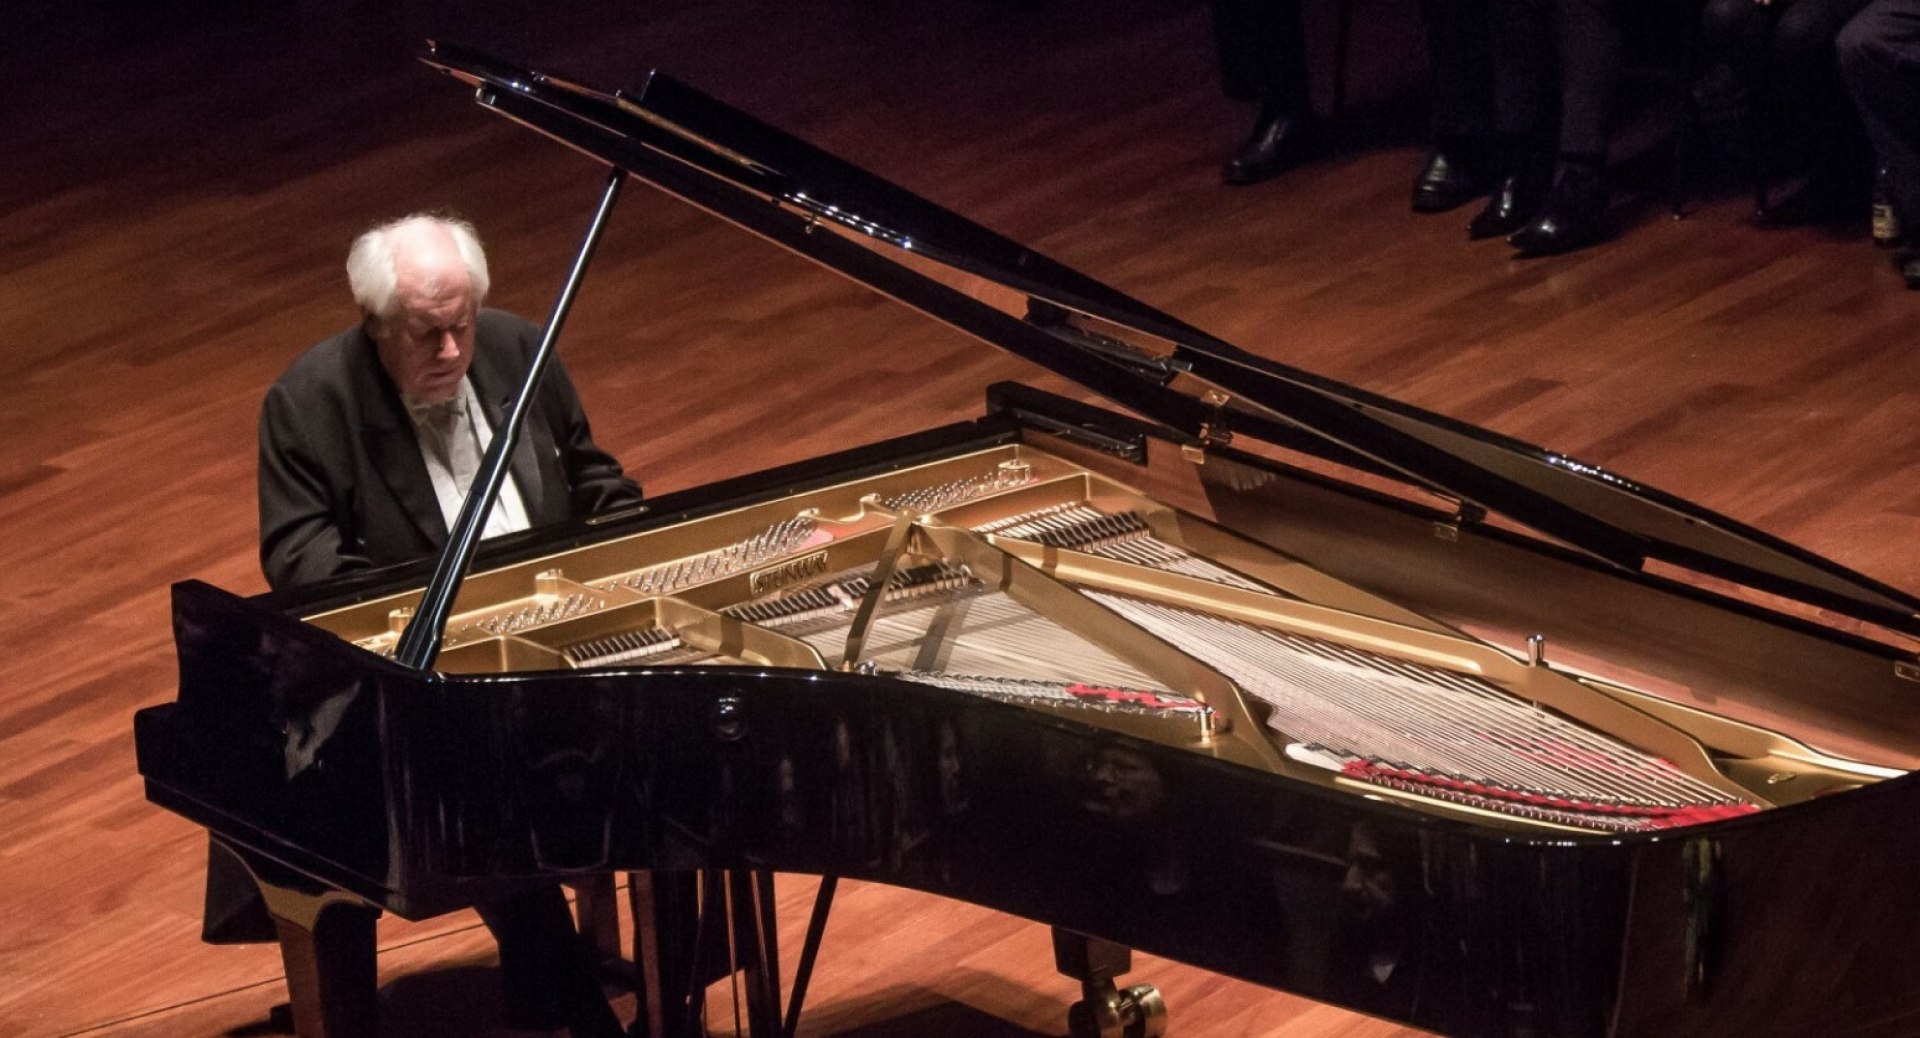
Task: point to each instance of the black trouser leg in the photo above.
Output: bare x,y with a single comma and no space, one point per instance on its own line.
1880,58
1815,125
1521,36
1737,33
1589,46
1263,54
1459,50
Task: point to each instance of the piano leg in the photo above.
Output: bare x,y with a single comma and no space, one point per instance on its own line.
1105,1011
597,911
693,928
328,947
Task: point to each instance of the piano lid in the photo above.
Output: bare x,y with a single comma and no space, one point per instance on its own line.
800,197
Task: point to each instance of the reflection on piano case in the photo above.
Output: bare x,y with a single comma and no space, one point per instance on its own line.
1246,680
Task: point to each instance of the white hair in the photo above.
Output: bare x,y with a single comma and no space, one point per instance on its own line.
370,272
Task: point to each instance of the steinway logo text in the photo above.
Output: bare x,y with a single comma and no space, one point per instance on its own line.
773,578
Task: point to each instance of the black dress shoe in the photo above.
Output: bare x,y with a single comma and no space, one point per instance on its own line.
1515,202
1278,143
1574,216
1446,182
1907,259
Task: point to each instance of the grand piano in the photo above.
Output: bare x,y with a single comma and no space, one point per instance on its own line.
1267,674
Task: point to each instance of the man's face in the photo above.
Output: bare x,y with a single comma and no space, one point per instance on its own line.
427,344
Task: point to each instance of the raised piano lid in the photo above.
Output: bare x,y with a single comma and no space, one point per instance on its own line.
718,158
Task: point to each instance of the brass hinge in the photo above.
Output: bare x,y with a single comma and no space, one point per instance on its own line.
1214,431
1465,515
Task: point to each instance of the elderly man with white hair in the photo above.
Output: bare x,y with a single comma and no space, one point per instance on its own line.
370,440
368,445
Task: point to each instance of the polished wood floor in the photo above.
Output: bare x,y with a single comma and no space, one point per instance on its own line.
176,198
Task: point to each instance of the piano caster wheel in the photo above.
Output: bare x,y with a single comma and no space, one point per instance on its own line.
1135,1012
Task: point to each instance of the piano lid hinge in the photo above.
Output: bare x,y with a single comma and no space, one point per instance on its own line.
1465,514
1214,431
1907,669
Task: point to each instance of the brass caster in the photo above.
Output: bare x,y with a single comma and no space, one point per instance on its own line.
1135,1012
1148,1011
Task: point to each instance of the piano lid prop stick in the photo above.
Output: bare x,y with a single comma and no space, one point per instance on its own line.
420,643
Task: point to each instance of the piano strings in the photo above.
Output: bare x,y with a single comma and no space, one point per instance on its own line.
1424,729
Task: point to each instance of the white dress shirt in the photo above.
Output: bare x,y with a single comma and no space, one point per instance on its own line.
453,437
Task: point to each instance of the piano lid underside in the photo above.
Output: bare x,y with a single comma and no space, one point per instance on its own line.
1015,575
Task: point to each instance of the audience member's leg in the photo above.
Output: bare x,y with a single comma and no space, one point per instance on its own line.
1457,170
1575,212
1816,128
1263,58
1520,36
1738,33
1590,45
1736,37
1880,58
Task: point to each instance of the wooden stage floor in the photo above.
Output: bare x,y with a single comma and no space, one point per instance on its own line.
174,210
